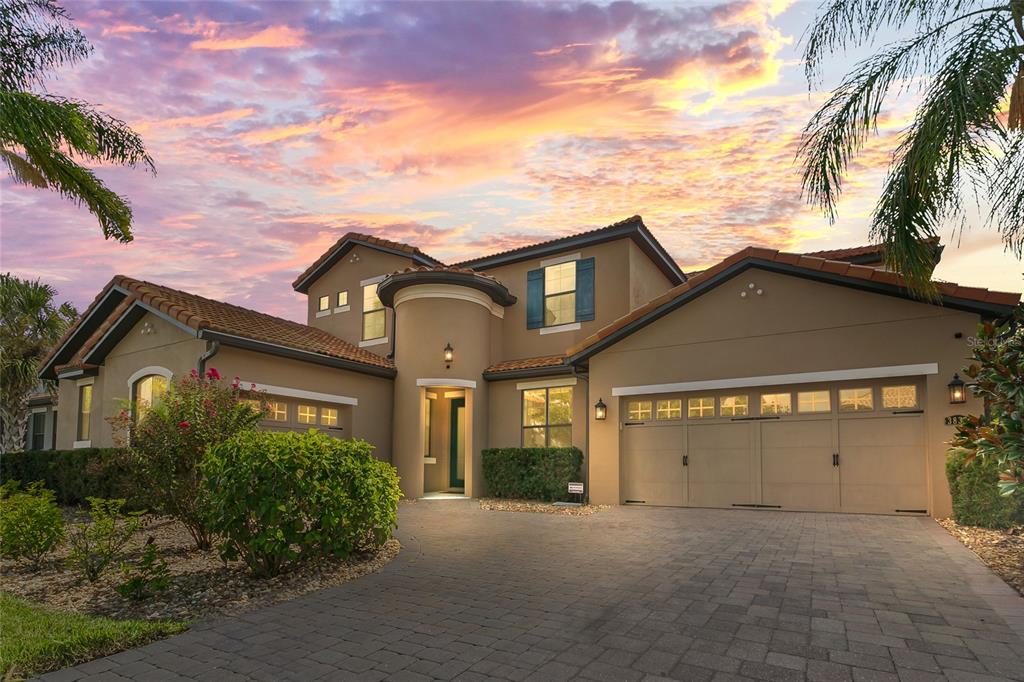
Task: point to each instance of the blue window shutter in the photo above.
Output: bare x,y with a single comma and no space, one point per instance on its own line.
584,289
535,299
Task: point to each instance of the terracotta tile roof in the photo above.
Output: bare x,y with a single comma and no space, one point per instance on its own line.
855,251
201,313
368,240
809,262
526,363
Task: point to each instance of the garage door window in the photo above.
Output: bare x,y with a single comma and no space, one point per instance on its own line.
547,417
856,400
638,410
307,414
699,408
899,397
328,416
776,404
277,411
813,401
670,409
734,406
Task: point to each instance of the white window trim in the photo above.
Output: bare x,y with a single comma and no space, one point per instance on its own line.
373,280
37,410
373,342
323,313
557,329
545,383
558,260
287,392
782,379
81,444
146,371
462,383
343,309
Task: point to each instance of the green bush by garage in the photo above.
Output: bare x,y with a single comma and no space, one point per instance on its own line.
974,486
74,475
531,473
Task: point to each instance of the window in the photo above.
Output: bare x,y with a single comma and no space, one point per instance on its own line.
670,409
560,294
638,410
324,303
897,397
328,416
37,431
427,427
547,417
776,403
856,400
84,411
307,414
373,313
813,401
147,392
277,411
342,298
734,406
698,408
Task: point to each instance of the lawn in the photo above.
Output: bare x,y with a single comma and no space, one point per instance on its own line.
35,639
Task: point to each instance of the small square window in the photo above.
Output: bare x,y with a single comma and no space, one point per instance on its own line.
328,416
277,411
776,403
856,400
638,410
307,414
899,397
254,404
699,408
813,401
670,409
342,298
734,406
324,303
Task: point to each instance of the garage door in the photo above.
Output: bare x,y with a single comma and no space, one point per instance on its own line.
851,448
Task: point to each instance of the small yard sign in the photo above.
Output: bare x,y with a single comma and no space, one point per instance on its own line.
575,488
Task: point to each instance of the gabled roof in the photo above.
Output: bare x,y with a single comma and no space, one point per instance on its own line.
632,227
345,244
871,253
973,299
103,324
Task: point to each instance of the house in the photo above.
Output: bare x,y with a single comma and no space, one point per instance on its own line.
779,380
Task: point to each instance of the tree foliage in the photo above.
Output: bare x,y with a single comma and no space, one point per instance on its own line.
42,136
966,61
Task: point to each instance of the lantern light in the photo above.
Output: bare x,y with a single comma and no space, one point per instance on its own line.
957,390
449,355
600,410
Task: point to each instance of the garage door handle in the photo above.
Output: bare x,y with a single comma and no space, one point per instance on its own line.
686,460
835,460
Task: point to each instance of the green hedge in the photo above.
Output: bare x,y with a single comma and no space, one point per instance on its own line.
975,490
531,473
73,475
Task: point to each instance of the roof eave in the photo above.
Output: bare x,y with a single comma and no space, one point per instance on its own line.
85,328
302,284
296,354
529,372
394,282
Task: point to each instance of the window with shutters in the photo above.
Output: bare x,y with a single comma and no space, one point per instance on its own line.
560,294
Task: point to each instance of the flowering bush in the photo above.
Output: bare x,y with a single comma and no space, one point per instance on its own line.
170,438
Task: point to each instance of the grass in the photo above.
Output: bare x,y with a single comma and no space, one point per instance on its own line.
34,639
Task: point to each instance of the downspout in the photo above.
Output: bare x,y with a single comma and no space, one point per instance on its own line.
212,348
586,436
394,333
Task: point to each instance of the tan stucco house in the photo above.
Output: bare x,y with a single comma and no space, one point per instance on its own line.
778,380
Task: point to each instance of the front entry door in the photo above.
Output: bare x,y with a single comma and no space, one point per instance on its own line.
457,448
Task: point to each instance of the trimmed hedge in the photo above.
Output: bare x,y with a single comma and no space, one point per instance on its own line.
531,473
74,475
975,489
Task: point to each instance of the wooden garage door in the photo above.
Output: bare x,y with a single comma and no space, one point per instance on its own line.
882,466
797,470
722,463
652,464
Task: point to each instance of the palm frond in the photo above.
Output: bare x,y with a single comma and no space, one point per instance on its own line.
22,171
1006,194
35,36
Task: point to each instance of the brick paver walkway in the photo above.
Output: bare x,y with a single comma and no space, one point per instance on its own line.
626,594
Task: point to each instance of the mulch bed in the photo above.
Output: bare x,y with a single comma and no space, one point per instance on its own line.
1001,550
202,584
498,504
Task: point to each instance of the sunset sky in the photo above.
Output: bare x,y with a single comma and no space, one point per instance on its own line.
461,128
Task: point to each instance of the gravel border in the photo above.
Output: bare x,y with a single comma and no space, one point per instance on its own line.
1001,550
202,584
534,506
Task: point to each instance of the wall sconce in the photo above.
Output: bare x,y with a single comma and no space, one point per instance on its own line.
957,390
600,410
449,355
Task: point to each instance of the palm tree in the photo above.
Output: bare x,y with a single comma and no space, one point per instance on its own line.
966,60
42,135
30,324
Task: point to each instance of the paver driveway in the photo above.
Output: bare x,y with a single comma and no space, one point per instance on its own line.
626,594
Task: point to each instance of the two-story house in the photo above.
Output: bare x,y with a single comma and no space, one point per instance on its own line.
794,381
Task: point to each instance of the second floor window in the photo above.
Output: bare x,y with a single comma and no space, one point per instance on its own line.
560,293
323,303
342,298
373,313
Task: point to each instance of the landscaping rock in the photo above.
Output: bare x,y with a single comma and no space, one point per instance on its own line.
1001,550
511,505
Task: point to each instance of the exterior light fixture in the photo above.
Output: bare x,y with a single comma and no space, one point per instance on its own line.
449,355
957,390
600,410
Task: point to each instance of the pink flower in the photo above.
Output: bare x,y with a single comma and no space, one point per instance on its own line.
212,373
195,374
252,387
183,425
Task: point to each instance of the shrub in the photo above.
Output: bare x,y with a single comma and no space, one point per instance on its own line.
146,577
75,475
973,483
171,438
531,473
97,544
279,499
31,523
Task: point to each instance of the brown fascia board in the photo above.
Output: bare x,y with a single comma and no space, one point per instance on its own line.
985,309
83,330
302,285
530,372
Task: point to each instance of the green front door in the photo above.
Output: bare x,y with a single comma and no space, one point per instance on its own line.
457,449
